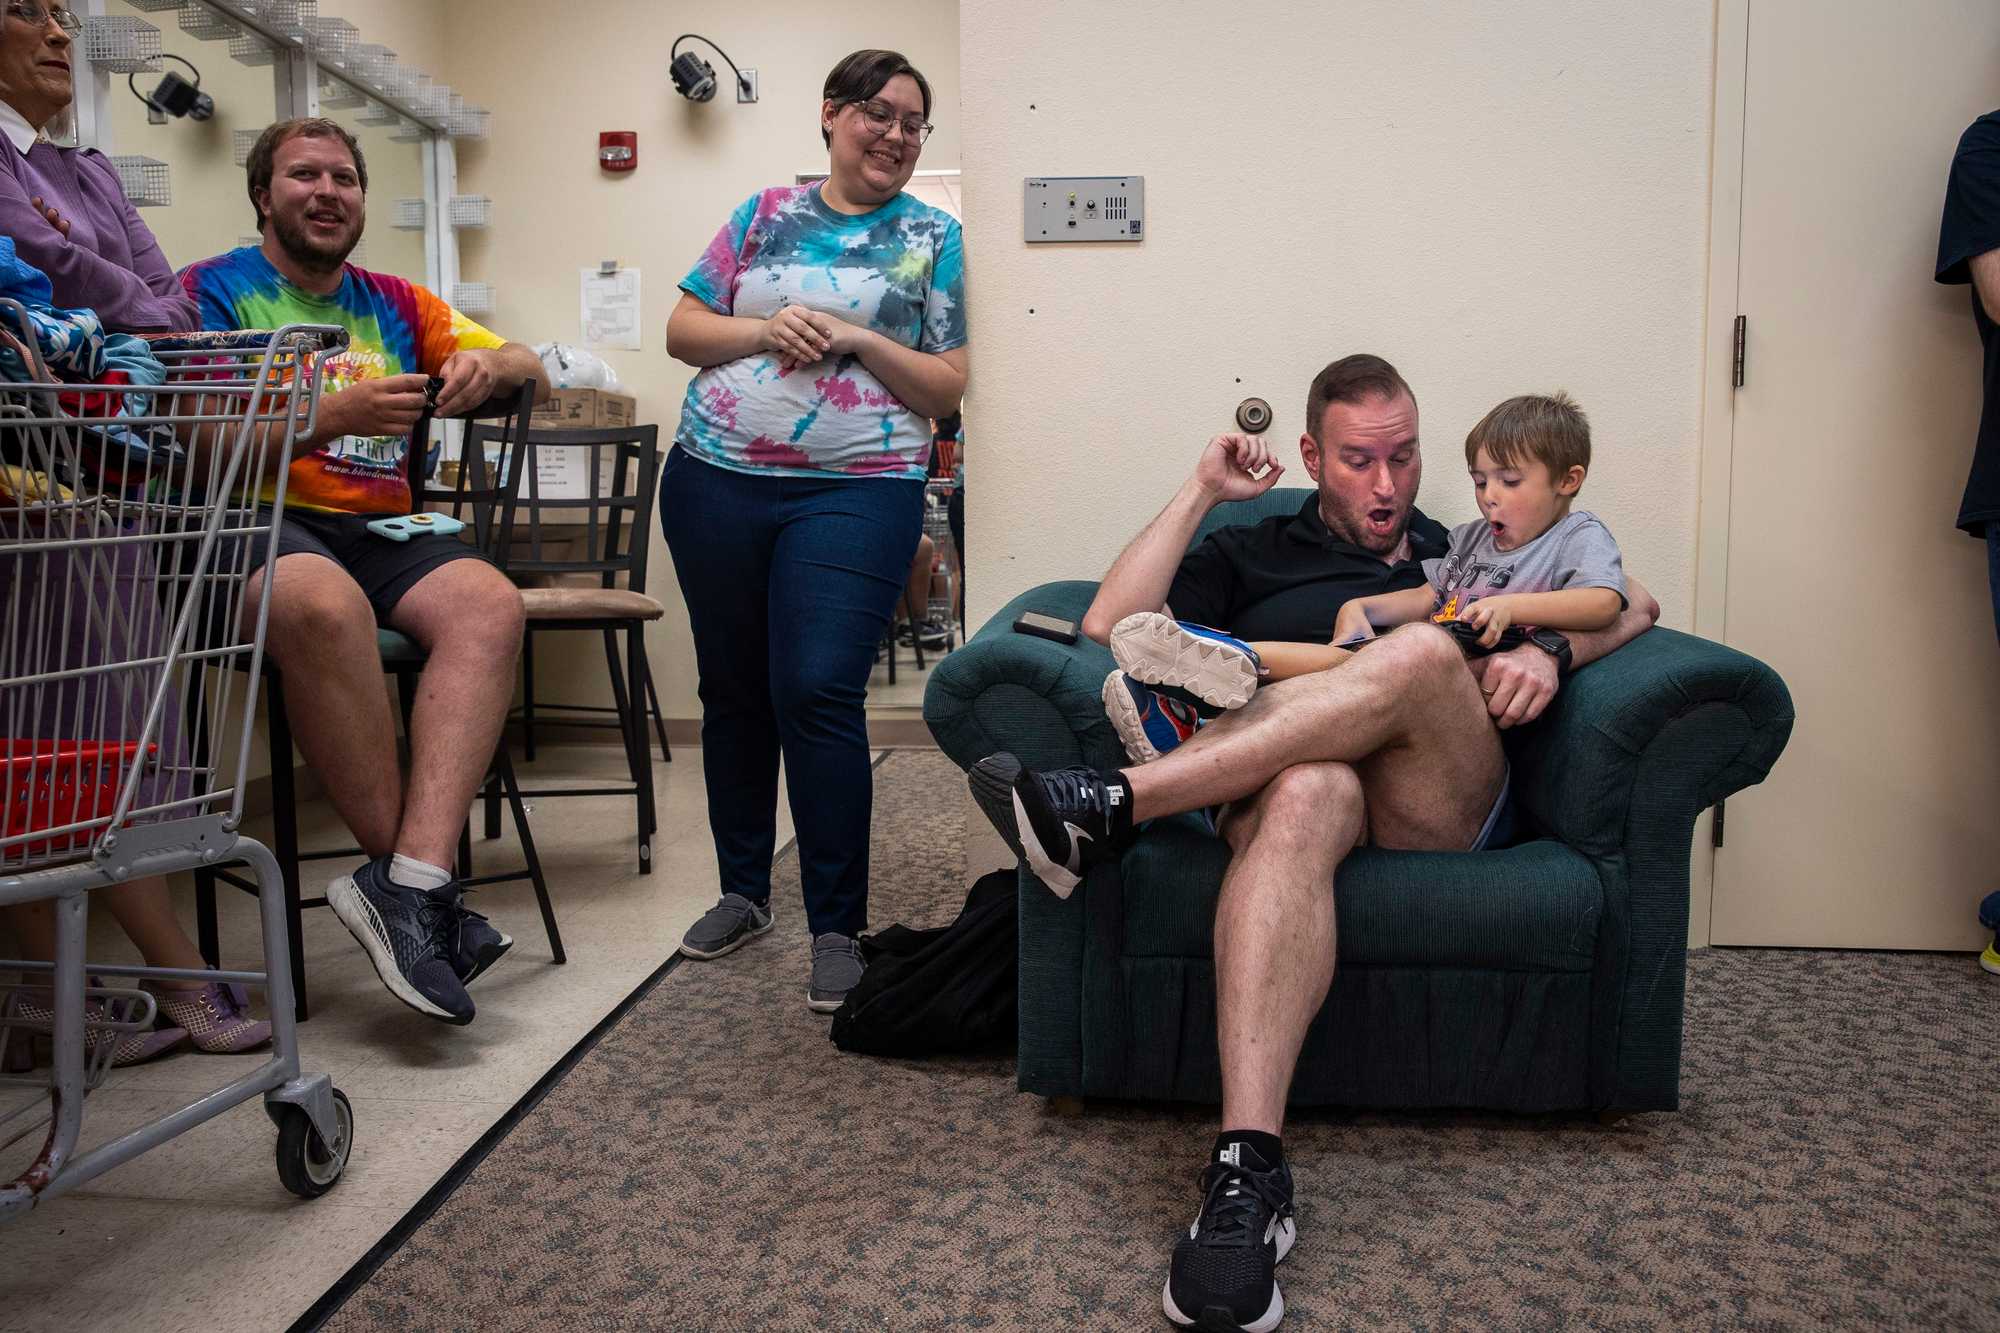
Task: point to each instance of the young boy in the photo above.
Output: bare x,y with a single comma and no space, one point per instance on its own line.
1527,561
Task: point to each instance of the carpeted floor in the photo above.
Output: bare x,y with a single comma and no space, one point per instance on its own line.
716,1164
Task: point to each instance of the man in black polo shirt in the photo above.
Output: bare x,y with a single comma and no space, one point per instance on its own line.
1398,747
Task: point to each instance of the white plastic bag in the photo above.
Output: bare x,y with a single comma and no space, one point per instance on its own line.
572,367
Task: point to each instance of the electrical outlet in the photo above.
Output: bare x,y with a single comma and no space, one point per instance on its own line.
748,94
1083,208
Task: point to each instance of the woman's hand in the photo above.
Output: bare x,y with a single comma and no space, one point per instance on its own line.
1492,614
842,338
792,334
56,219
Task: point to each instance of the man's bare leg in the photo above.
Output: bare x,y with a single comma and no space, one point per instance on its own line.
1409,695
322,636
468,618
1274,932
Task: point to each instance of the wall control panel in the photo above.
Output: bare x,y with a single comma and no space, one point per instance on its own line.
1083,208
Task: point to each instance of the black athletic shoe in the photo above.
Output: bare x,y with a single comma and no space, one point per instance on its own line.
1058,822
478,946
410,935
1222,1280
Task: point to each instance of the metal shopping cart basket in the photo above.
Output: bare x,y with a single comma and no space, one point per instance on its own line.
132,516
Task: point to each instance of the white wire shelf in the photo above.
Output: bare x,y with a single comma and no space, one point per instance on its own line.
145,180
121,43
473,298
469,210
199,21
409,215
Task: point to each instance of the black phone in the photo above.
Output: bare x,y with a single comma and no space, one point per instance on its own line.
1046,627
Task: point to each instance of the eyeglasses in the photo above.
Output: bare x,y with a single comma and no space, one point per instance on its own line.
37,15
879,117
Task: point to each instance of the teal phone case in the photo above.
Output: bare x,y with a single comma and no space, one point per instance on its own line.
402,527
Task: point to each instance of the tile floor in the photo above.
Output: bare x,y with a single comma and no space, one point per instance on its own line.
199,1233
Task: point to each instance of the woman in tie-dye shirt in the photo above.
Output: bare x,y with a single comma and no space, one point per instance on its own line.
829,325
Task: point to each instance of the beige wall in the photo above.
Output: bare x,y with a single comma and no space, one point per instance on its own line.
1499,198
552,88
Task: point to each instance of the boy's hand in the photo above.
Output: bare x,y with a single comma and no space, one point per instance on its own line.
1493,615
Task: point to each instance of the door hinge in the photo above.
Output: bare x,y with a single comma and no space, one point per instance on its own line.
1736,374
1715,829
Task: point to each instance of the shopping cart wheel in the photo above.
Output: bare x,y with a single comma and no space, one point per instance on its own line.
307,1165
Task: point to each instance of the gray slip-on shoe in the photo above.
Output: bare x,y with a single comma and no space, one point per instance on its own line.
836,969
726,927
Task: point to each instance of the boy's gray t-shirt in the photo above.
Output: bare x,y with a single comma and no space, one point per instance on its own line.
1577,552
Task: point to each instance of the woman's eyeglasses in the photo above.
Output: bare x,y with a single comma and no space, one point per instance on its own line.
37,15
878,118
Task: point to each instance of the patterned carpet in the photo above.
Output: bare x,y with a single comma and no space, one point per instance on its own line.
716,1164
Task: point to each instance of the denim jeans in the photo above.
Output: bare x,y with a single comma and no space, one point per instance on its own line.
789,583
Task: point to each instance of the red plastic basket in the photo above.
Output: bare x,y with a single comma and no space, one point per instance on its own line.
54,783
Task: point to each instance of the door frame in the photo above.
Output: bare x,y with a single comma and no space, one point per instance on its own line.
1731,69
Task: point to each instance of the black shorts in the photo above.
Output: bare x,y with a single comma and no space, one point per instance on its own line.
385,569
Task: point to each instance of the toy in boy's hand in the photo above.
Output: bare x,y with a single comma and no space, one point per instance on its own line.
402,527
1468,636
432,388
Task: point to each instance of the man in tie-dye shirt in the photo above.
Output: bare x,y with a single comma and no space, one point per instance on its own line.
334,580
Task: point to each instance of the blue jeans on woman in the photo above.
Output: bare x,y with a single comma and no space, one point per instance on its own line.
789,583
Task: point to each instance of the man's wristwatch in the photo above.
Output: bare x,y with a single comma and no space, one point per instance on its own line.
1556,645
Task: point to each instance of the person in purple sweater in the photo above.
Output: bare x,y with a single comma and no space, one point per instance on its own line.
63,206
70,218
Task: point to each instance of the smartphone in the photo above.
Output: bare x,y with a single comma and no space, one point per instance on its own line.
402,527
1046,627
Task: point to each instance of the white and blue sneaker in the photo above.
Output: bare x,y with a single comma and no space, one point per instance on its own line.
1148,722
1213,671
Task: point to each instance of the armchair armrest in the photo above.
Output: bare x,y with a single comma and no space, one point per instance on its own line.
1635,747
1666,726
1038,698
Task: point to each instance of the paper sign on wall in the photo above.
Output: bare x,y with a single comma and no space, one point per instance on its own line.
611,308
561,472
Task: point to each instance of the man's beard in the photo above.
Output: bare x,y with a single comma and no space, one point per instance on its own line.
1352,527
302,250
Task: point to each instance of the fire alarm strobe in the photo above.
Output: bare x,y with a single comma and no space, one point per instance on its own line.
618,150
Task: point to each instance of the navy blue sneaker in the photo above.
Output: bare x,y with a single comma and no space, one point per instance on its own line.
411,936
1209,669
1148,722
478,946
1057,822
1223,1278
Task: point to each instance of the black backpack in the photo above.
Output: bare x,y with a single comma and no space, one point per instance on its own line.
948,989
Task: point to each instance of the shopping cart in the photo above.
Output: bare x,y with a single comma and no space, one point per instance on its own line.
130,524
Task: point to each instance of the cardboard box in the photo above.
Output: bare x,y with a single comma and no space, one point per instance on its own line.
585,409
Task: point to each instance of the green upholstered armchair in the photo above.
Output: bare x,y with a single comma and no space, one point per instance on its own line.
1548,975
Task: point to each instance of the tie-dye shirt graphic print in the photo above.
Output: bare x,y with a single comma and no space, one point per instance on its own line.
899,270
394,327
